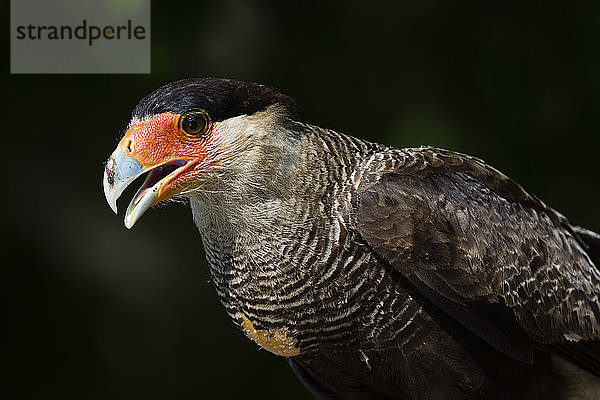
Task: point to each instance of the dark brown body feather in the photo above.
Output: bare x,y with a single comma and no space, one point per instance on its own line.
410,274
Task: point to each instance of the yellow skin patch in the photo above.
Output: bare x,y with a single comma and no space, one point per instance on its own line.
277,341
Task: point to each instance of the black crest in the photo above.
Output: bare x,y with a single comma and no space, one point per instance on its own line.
221,98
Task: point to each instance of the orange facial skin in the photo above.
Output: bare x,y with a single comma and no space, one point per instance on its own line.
159,140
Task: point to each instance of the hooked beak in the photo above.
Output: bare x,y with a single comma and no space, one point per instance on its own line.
122,169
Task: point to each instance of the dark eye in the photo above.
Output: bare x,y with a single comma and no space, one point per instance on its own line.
194,123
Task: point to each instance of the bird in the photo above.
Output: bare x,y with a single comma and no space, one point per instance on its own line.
377,272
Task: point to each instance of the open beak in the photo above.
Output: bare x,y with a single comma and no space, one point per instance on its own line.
122,169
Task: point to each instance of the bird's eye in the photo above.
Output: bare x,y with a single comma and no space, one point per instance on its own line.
194,123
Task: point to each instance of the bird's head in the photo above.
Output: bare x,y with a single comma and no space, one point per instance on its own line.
190,134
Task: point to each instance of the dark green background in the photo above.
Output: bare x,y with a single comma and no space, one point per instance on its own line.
96,311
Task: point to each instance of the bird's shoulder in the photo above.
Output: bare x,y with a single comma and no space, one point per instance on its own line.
425,161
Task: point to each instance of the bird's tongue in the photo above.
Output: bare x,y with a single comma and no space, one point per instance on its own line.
154,176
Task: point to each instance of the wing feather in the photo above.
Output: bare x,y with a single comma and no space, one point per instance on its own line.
468,238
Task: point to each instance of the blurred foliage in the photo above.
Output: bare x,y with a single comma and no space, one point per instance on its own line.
96,311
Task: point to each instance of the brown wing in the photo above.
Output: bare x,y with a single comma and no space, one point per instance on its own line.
480,248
